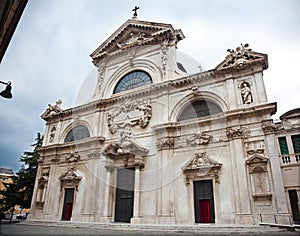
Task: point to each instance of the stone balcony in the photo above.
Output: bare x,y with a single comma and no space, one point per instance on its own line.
290,159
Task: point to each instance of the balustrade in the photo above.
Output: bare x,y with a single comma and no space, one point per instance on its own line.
289,159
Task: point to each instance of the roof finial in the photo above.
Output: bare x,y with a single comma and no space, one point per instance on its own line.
135,14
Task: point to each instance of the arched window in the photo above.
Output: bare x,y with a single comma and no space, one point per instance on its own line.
133,80
199,108
77,133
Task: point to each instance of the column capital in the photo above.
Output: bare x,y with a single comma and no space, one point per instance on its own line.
268,127
234,133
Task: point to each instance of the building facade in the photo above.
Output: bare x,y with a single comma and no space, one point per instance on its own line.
158,144
288,139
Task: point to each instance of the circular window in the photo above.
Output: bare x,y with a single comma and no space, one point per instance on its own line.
133,80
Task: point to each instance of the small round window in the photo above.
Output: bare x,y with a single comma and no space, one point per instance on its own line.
133,80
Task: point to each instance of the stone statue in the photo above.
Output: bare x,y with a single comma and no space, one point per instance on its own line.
246,93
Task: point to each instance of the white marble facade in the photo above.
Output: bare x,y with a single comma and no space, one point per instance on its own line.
178,148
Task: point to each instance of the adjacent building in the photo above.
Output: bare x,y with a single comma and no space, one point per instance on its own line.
288,138
157,144
6,177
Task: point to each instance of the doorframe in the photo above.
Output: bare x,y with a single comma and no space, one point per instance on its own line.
215,198
63,202
115,182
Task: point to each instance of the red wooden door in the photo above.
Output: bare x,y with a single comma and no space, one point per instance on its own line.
204,211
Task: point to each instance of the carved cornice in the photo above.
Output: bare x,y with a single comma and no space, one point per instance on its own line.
58,148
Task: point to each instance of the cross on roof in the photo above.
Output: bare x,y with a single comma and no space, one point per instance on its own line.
135,9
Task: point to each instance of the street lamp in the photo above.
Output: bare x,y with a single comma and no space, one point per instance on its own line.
6,93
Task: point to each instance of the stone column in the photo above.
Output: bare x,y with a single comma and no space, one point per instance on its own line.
243,209
137,185
107,201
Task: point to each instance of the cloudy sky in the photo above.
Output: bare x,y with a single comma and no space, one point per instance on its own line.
48,57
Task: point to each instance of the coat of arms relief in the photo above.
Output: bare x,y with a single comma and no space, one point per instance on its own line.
129,114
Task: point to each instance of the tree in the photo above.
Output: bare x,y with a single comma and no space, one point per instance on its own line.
27,173
20,190
10,197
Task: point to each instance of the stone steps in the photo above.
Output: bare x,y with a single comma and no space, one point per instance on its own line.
203,228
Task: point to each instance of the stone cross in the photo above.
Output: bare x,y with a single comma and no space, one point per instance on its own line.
135,9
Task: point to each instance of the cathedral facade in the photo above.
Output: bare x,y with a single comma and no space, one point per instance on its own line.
156,144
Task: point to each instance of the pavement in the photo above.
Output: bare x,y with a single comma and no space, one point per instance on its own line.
116,229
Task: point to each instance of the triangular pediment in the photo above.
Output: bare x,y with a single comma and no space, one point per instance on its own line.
135,33
256,159
242,55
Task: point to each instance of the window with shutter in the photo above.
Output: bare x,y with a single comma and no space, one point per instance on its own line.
296,143
283,146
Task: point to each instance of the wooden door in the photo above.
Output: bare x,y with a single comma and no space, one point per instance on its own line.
68,204
204,202
124,195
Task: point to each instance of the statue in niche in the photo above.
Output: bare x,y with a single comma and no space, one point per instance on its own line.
52,134
246,93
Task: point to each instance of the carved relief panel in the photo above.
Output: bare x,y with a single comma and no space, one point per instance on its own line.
129,114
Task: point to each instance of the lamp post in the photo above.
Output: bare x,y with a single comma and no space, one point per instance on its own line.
6,93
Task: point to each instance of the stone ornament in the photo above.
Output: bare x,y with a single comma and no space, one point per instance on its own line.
268,127
202,166
199,139
70,179
52,110
94,155
234,133
164,55
134,39
138,113
126,145
165,143
73,157
239,55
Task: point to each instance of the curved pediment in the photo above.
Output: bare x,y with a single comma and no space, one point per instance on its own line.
125,146
202,166
70,179
135,33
